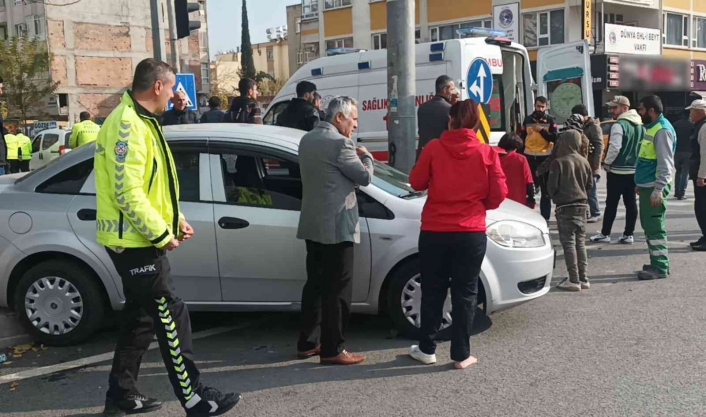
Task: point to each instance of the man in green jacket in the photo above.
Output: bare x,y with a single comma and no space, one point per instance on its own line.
25,150
84,132
138,221
654,174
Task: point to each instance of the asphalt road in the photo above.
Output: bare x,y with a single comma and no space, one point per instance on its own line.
622,348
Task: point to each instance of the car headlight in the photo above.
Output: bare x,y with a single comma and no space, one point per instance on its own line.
515,234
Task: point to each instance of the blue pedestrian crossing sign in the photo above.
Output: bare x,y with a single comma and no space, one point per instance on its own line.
186,83
479,81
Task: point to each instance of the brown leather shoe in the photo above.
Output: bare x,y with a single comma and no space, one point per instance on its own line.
343,358
309,353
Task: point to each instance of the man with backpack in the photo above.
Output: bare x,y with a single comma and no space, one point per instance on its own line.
301,113
244,109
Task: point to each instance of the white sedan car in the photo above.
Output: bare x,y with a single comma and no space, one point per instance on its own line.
244,255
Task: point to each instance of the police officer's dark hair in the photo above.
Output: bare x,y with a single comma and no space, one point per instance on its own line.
511,142
442,82
654,103
580,109
305,87
84,115
148,72
214,102
541,99
245,85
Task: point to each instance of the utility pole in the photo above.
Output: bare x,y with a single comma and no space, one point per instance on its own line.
401,88
173,41
157,32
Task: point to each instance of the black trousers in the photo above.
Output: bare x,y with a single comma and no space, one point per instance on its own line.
326,298
545,203
151,306
450,259
15,165
700,207
24,166
620,186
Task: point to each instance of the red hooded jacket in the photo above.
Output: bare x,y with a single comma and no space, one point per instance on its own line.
464,178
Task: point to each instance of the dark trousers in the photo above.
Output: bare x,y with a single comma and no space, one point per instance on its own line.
326,298
545,203
151,306
14,166
24,166
620,186
450,259
700,207
593,205
681,163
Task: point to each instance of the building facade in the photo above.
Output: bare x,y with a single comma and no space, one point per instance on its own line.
97,48
269,57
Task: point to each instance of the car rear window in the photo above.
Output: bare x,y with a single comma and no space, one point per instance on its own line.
68,181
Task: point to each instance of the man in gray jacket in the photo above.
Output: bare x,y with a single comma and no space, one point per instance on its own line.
331,168
433,116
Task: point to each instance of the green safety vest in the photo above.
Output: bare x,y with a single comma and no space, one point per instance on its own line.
137,189
646,167
25,146
83,133
13,145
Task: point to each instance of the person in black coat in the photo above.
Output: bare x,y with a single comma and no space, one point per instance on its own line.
301,113
214,114
433,116
179,115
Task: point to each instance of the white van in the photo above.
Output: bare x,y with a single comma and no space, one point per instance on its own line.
48,145
564,72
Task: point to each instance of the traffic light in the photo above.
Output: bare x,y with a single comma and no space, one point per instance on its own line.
182,8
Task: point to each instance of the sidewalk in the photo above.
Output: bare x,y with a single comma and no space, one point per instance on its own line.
11,331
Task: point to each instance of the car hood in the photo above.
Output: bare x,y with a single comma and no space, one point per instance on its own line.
508,210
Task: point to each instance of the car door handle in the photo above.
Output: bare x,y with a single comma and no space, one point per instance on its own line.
86,215
232,223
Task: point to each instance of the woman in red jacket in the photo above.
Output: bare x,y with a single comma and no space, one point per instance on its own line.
465,179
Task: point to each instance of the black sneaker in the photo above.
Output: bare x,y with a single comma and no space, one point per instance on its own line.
698,243
211,402
650,275
132,404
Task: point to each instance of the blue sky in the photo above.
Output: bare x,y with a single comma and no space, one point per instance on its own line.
225,26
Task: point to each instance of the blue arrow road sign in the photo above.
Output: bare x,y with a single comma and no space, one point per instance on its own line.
479,81
187,84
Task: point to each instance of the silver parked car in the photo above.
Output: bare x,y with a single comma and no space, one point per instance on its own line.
241,191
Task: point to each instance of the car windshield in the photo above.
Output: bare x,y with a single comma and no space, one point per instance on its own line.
391,180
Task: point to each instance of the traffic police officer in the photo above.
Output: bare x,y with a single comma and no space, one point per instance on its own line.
25,150
138,221
13,152
83,132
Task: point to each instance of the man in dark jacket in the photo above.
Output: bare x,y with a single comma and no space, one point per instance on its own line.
244,109
697,168
214,114
301,113
683,126
592,130
433,116
3,145
179,115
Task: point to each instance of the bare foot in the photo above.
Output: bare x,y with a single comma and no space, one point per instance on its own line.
465,364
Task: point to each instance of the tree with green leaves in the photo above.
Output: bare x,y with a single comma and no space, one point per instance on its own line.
25,66
247,64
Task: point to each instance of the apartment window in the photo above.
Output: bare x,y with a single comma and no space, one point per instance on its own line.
380,41
18,2
308,52
700,32
298,25
203,41
310,7
676,29
332,4
443,33
21,29
38,23
270,54
205,73
271,74
543,28
339,43
3,32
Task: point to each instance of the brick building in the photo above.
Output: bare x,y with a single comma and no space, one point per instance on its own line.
96,45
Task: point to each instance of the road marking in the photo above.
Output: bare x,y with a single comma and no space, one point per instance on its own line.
45,370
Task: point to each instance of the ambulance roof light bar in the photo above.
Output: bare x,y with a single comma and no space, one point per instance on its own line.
480,33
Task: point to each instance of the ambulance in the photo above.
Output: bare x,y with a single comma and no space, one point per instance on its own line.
484,65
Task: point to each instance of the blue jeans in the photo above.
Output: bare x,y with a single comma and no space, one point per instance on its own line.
2,169
594,207
681,163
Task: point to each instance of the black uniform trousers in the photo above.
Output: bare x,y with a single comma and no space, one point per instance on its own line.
326,298
151,306
15,165
450,259
545,203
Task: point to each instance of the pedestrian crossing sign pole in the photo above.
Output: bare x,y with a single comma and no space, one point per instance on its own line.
483,130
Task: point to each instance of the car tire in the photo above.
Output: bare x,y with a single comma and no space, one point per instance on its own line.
67,303
399,280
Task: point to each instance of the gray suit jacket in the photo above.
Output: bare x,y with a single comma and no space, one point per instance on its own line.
330,169
432,119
